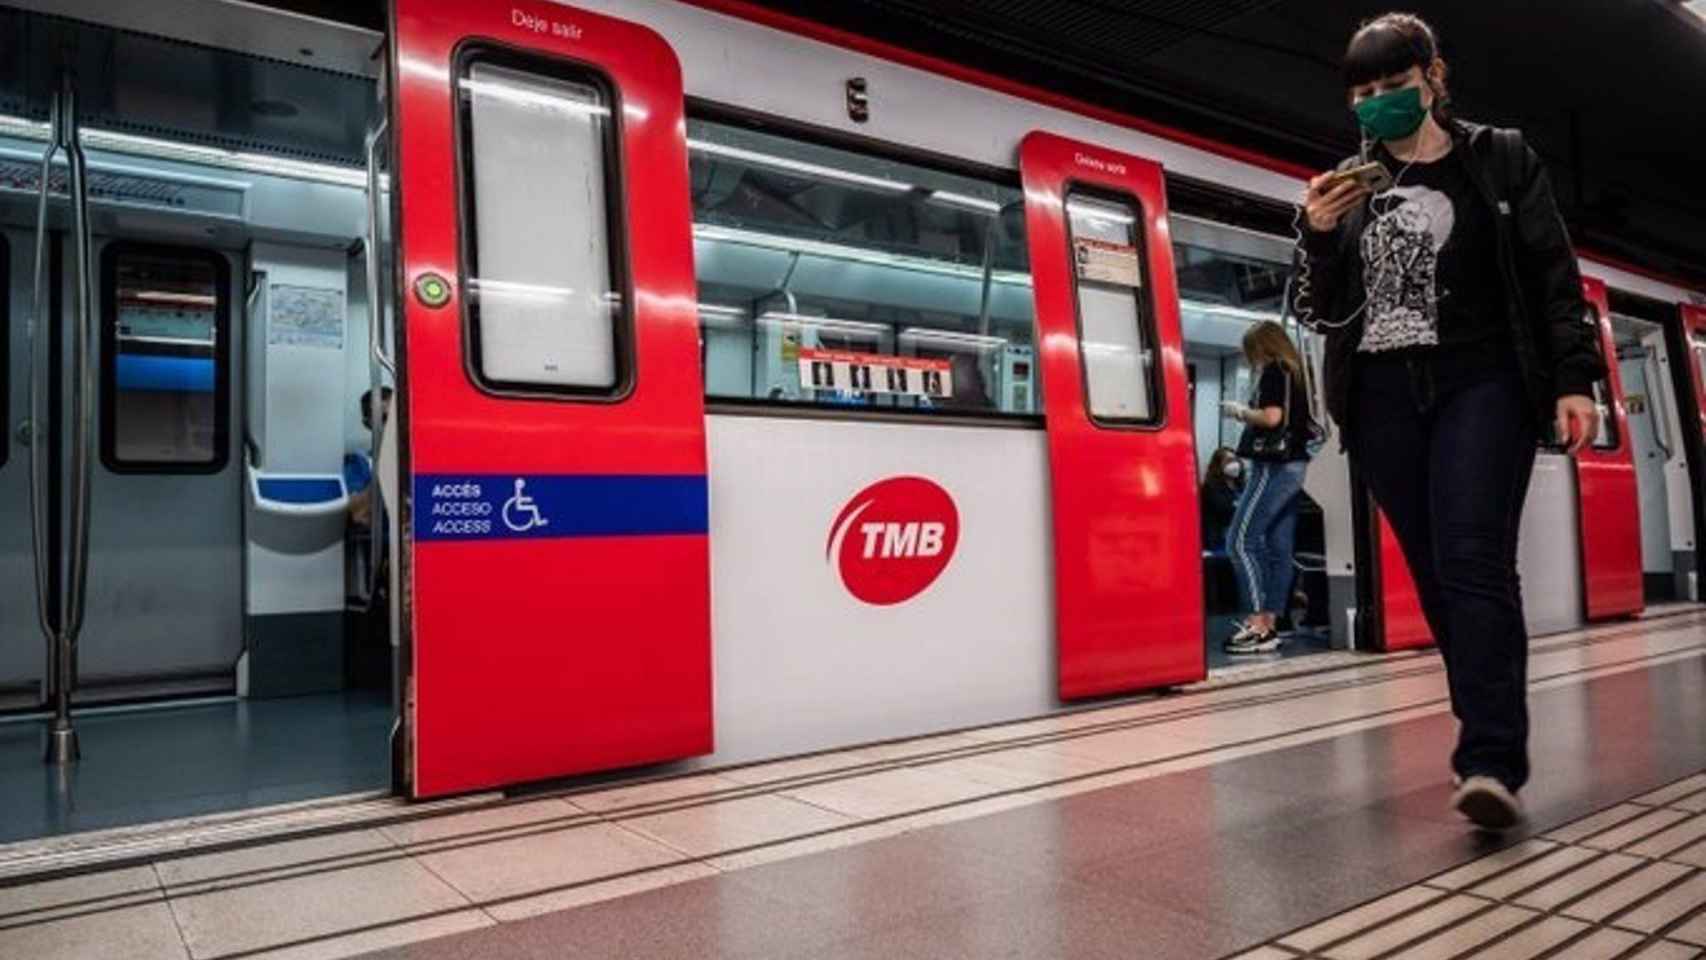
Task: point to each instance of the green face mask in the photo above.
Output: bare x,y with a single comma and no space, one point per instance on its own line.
1392,115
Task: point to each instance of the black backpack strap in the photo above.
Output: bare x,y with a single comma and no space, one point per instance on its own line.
1508,156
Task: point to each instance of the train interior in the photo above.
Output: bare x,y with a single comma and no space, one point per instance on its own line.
1229,279
231,651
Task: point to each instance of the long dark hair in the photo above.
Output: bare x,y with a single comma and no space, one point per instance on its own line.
1393,43
1266,342
1216,472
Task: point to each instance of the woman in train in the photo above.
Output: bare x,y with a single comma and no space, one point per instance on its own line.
1451,340
1221,484
1276,443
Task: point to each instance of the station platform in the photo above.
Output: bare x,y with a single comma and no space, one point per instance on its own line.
1263,815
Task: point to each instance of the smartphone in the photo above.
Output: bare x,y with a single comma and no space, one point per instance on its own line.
1373,175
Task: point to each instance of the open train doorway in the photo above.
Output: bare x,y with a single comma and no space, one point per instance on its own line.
1658,418
1232,277
190,623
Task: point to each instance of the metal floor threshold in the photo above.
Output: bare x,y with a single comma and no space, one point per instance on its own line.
77,851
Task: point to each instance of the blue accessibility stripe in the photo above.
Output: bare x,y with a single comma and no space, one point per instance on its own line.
507,506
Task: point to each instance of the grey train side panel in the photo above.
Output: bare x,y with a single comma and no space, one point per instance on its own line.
166,561
23,649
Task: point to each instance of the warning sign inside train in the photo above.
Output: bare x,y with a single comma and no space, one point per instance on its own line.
875,373
1103,261
893,539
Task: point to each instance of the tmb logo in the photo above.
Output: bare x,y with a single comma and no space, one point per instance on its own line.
893,539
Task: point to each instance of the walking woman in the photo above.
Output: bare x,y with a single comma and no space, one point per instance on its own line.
1275,441
1455,329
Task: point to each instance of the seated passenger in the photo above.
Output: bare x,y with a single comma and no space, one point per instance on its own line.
1221,484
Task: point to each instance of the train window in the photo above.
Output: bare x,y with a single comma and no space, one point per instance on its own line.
829,277
543,285
1114,325
164,356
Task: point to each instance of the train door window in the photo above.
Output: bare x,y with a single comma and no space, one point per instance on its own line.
1113,318
834,278
543,285
164,373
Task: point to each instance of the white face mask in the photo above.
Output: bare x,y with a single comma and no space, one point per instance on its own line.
1233,470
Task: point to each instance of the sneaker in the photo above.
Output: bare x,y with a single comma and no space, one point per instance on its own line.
1487,803
1250,642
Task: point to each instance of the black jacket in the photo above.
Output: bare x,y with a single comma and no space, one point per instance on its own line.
1556,339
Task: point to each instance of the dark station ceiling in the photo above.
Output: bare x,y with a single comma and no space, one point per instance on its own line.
1612,93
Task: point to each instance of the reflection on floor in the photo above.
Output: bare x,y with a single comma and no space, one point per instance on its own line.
169,762
1298,643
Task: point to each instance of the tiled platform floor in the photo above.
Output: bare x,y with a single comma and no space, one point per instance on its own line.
1626,881
1186,826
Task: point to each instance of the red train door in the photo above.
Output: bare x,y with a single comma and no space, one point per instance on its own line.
1127,547
1608,518
1402,626
558,595
1608,500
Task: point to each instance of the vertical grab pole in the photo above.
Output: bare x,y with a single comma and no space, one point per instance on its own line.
47,611
377,358
62,737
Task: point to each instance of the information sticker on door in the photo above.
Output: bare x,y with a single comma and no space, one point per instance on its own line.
1103,261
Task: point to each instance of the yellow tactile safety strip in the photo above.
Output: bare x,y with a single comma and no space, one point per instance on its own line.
1626,883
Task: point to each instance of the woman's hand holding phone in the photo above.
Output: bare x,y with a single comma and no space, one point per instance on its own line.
1329,197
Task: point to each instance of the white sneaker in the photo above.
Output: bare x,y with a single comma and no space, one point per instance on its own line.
1250,641
1487,803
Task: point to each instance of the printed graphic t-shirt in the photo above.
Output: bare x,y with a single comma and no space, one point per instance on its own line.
1430,261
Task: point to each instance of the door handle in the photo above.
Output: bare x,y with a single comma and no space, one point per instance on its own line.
377,361
375,308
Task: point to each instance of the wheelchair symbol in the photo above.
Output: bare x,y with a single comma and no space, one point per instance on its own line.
520,513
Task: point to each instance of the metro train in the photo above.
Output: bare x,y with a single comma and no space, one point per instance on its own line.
734,418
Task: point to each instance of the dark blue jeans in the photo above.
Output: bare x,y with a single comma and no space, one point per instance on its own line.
1259,540
1449,465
